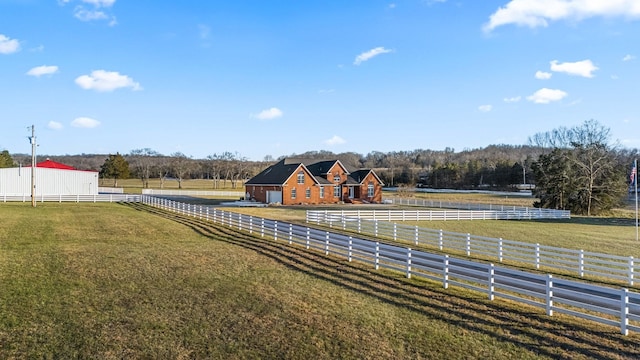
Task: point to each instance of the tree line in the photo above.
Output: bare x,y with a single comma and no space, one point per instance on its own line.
572,168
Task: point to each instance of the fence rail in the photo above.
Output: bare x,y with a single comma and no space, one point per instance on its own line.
580,262
615,307
557,214
72,198
440,215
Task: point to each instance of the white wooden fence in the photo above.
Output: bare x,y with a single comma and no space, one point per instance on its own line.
72,198
548,213
580,262
439,215
616,307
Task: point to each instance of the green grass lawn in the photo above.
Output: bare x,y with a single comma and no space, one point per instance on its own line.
116,281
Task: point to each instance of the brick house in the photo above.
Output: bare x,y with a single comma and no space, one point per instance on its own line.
303,181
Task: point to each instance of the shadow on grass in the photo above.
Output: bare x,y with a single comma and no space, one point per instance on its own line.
558,337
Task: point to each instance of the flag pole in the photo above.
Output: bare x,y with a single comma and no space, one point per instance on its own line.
635,182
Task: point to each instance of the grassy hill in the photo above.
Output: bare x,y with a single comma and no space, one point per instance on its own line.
121,281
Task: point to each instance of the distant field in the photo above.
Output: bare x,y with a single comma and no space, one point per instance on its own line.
134,186
116,281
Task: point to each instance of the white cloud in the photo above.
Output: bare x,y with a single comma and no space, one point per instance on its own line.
8,46
392,6
54,125
269,114
543,75
90,10
39,48
512,99
83,14
535,13
42,70
101,80
85,122
545,96
367,55
335,140
485,108
628,57
100,3
583,68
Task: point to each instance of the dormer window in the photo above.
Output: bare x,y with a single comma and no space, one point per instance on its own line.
301,177
336,178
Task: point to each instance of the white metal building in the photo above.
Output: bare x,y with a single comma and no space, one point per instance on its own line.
17,181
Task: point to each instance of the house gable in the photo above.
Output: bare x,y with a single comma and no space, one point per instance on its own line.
304,181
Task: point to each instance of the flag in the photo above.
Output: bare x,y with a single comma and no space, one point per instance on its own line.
634,172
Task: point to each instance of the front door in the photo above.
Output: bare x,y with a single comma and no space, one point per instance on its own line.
351,192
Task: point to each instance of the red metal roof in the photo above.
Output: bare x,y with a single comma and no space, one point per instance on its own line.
50,164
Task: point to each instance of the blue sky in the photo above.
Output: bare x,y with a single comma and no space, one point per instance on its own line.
288,76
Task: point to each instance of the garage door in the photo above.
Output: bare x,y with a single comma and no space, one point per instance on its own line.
274,197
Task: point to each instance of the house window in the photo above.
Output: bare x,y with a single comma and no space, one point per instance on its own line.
293,193
336,178
301,177
370,190
307,193
336,191
321,192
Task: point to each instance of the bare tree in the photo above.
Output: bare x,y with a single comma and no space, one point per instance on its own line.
181,166
142,163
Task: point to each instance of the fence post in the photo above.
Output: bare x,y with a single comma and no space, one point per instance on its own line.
326,245
537,256
500,249
445,272
549,295
221,217
215,216
377,259
200,212
344,223
230,218
250,224
468,244
440,240
395,230
207,214
624,311
308,237
350,248
581,263
417,234
275,230
631,270
491,282
408,263
239,221
290,233
375,227
359,224
262,228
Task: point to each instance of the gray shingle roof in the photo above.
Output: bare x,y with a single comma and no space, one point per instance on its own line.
278,173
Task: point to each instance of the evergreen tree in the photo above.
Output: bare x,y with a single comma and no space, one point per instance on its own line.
581,174
6,160
116,167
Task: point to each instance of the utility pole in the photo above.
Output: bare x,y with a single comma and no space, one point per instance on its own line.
32,140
